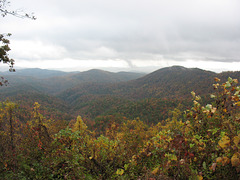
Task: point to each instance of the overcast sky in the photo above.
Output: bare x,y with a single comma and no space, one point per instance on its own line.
140,35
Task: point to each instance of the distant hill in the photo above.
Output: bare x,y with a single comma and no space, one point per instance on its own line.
50,81
95,92
35,73
172,82
96,75
171,85
175,81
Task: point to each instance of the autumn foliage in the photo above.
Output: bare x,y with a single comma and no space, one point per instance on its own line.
202,142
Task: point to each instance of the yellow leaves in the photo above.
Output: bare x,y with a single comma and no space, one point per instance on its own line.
219,160
134,157
120,172
199,177
36,105
169,139
235,81
236,140
235,160
79,125
155,171
195,102
193,94
213,110
216,85
198,98
224,142
237,103
171,157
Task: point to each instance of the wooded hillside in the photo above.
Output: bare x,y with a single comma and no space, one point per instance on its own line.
199,142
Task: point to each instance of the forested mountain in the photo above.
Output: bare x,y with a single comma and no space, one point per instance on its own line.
52,82
161,91
96,75
110,142
174,83
98,93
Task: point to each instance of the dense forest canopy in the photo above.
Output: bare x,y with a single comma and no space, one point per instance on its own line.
115,135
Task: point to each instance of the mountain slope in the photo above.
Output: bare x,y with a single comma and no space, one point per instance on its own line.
95,93
25,96
100,76
52,82
174,81
172,84
164,83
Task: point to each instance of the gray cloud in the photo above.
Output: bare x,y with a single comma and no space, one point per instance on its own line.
144,30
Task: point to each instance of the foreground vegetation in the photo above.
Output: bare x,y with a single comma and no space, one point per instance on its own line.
198,143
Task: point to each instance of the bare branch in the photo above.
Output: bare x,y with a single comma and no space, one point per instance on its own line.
18,13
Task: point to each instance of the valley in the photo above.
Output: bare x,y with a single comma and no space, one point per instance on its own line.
97,93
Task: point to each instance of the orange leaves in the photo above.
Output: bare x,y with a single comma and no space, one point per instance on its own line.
222,161
219,160
40,144
216,79
225,161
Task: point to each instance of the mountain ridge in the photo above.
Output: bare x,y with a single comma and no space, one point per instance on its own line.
56,81
92,97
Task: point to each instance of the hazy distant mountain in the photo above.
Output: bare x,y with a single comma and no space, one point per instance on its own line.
169,82
51,81
96,92
96,75
35,72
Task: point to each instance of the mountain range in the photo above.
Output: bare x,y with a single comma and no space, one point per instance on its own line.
97,93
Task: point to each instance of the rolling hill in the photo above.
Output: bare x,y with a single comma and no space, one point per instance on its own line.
169,82
52,82
97,93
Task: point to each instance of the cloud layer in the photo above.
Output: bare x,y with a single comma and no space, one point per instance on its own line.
139,33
